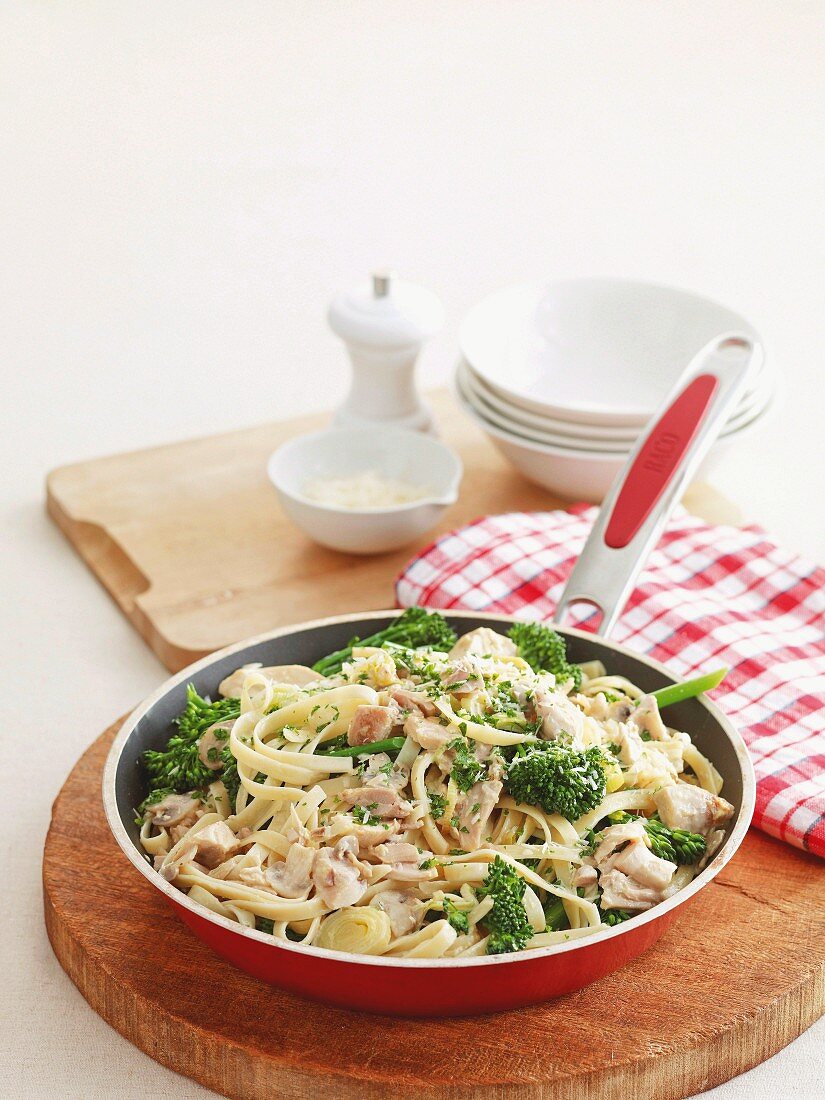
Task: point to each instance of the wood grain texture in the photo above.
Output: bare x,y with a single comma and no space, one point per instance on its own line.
191,543
740,976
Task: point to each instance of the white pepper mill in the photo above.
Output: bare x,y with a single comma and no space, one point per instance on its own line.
384,324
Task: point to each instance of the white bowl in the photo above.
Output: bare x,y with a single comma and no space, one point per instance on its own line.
340,452
591,351
752,398
577,474
585,440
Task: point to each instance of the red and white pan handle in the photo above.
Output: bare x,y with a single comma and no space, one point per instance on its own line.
661,465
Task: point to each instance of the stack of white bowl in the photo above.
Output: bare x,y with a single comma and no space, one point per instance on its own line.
564,377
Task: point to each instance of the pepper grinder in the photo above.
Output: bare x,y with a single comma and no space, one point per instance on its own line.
384,324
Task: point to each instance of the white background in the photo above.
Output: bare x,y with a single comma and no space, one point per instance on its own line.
183,187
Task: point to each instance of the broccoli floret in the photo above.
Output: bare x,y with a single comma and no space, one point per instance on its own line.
677,845
415,627
456,917
178,767
558,779
545,651
507,923
264,924
466,769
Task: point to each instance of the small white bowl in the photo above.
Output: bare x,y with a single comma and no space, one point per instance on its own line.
340,452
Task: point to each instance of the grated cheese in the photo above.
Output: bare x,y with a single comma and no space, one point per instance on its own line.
364,490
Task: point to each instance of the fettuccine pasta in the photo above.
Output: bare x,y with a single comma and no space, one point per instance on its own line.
430,803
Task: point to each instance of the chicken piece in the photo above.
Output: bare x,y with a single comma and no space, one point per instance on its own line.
714,841
614,837
178,832
230,868
472,812
585,876
336,877
298,675
620,710
484,642
175,809
381,772
621,892
252,874
405,862
372,723
404,910
646,716
426,732
211,744
214,844
631,746
561,719
683,806
640,864
463,678
366,835
398,851
383,802
411,700
291,879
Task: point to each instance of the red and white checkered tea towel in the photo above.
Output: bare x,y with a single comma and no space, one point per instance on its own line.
708,596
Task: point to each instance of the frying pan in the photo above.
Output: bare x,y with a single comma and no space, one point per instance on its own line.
630,521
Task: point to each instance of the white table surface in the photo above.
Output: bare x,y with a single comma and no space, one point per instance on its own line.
185,185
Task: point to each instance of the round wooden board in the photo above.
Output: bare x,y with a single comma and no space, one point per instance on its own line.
738,977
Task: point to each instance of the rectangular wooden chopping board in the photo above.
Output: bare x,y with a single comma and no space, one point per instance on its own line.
190,541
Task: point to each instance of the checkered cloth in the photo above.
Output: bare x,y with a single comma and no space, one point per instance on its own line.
708,596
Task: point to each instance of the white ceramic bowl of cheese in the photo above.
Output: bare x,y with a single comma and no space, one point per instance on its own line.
345,453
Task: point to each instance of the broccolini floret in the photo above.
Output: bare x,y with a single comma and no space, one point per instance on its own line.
178,767
456,917
415,627
506,923
677,845
545,651
558,779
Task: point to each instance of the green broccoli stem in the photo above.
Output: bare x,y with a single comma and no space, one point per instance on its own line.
689,689
389,744
555,916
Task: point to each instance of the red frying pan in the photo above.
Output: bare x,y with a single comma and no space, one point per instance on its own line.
630,521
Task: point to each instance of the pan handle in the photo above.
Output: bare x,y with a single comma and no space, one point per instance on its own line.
660,467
